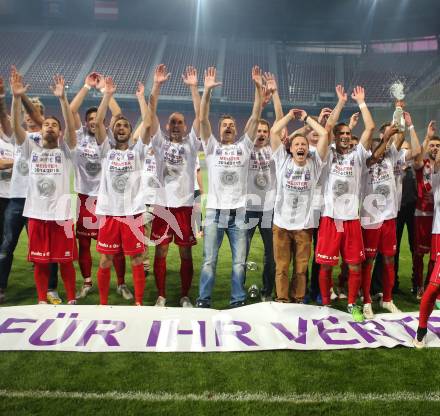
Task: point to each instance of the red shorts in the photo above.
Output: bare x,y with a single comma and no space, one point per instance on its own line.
121,234
348,242
169,223
382,239
435,246
87,224
422,234
51,241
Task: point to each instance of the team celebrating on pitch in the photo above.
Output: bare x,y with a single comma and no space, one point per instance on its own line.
317,186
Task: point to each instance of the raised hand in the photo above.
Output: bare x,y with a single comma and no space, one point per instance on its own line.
407,117
354,119
271,83
358,94
189,77
257,76
140,90
109,86
324,115
16,82
341,94
432,128
58,87
92,79
100,81
210,81
389,132
298,114
160,74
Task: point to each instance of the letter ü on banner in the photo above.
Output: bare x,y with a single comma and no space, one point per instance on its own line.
262,326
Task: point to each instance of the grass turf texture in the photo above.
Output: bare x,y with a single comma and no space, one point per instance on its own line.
285,373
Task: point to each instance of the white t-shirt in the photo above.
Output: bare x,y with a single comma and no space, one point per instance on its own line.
87,164
342,186
436,191
150,181
48,197
296,189
379,190
175,163
120,191
261,184
20,172
196,169
228,167
6,152
318,196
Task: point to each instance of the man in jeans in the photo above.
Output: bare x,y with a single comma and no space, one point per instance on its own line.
227,161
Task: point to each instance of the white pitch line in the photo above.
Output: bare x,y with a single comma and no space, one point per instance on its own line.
401,396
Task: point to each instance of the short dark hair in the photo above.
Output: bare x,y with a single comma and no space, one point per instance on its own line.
434,138
89,111
384,126
338,127
353,137
224,117
265,122
53,118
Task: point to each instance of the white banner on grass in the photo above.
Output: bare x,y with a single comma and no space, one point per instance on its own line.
262,326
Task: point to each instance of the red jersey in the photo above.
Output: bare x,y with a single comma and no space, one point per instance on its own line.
425,196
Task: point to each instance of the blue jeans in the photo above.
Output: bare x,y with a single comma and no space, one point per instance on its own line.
263,220
14,222
217,223
13,225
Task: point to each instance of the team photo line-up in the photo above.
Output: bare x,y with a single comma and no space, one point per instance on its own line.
319,185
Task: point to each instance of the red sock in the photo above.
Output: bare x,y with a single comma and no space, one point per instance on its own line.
325,283
388,281
427,304
139,282
119,265
186,276
418,269
84,256
69,279
354,284
103,285
160,272
41,276
366,281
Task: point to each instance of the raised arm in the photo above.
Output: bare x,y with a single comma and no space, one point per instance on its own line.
114,106
322,145
252,124
4,119
190,79
354,119
18,89
90,82
430,132
272,86
358,95
279,126
109,90
336,113
416,149
140,95
209,84
58,90
161,75
390,131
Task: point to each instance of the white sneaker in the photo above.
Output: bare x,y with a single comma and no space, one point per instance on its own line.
342,294
42,302
368,311
377,296
185,302
161,301
53,297
333,295
390,307
124,291
84,291
419,344
72,302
